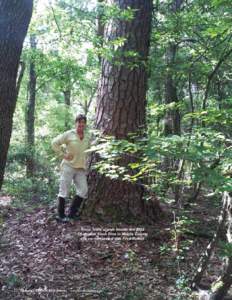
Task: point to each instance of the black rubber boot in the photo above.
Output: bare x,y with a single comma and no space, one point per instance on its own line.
74,208
61,207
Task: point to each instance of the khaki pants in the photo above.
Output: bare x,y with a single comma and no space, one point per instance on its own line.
79,178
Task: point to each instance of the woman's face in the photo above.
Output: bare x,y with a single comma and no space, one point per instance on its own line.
80,125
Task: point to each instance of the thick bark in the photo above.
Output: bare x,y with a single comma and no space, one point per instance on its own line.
15,18
121,104
30,115
121,97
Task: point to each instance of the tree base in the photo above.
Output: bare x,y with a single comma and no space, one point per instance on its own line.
116,201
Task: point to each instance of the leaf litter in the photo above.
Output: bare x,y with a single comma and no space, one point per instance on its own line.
47,260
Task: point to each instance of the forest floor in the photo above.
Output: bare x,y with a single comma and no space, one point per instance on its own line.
43,259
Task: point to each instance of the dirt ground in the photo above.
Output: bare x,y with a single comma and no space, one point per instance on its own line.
43,259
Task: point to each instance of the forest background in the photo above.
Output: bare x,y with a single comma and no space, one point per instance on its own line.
179,155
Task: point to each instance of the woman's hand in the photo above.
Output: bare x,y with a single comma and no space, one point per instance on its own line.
68,156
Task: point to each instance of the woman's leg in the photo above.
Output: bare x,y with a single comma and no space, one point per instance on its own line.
66,177
80,181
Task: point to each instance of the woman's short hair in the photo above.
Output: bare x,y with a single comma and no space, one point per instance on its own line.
80,117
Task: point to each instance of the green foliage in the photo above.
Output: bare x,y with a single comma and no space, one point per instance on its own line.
66,58
14,281
110,12
135,294
189,47
204,150
165,249
183,289
41,188
65,61
225,249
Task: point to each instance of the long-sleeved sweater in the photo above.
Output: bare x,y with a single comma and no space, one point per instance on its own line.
70,143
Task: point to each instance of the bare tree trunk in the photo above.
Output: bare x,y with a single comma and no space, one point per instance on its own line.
220,94
100,24
172,118
30,115
67,97
226,278
121,104
204,260
20,77
67,101
15,18
225,281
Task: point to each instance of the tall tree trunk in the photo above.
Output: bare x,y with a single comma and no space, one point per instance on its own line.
121,104
15,18
67,101
30,115
220,94
100,23
172,118
226,278
20,77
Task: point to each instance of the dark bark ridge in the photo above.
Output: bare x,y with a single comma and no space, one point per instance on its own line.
15,18
30,115
121,107
122,90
